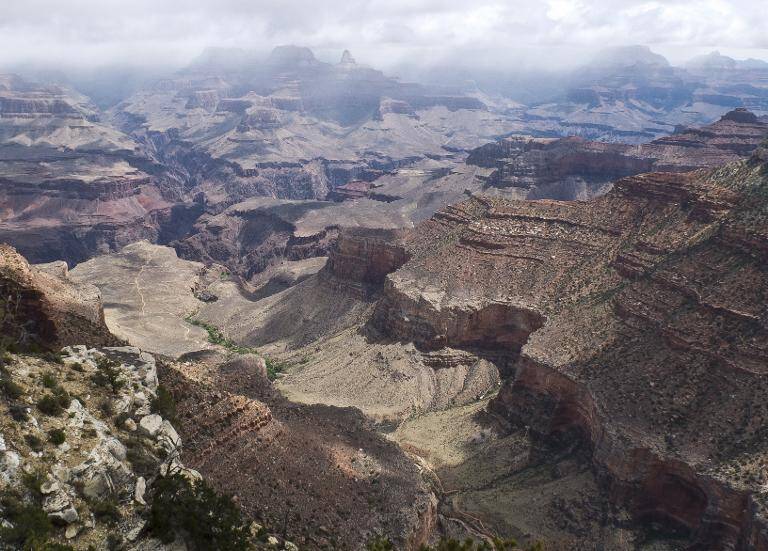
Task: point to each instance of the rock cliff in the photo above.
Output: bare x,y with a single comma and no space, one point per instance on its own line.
641,329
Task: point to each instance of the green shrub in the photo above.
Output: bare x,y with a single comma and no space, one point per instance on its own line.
30,525
379,543
12,390
105,510
19,413
274,367
109,375
32,482
206,520
49,380
164,404
33,442
107,408
215,336
53,357
54,403
57,437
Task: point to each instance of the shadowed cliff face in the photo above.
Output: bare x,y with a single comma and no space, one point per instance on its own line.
42,308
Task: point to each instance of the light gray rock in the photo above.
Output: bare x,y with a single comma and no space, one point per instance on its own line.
140,490
169,438
58,506
9,465
49,487
105,473
151,424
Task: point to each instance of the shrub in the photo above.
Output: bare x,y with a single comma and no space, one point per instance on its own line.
30,525
77,366
114,541
274,367
53,357
57,437
207,520
143,462
164,404
107,408
121,419
379,543
49,380
105,509
108,375
19,413
33,442
54,403
12,390
32,481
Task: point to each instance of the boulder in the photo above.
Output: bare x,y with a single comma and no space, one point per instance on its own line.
151,424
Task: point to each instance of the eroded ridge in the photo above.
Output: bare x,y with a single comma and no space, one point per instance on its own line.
641,327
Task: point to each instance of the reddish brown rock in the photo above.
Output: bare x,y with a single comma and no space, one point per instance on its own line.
572,167
640,325
45,309
319,475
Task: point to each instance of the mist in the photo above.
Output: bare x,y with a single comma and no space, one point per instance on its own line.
393,35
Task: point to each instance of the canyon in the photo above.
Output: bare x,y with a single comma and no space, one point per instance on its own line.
404,311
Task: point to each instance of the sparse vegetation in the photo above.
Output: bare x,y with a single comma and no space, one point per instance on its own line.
142,461
205,519
34,443
109,375
11,390
19,413
121,419
105,510
54,403
215,336
274,368
57,437
30,526
49,380
107,408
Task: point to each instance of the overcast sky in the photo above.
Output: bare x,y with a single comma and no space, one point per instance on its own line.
383,33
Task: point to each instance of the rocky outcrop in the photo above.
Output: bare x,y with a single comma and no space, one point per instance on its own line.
89,472
44,308
574,168
360,259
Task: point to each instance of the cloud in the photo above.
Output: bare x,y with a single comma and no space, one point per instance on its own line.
383,33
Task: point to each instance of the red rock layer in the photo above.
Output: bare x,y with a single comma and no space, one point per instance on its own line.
644,333
39,309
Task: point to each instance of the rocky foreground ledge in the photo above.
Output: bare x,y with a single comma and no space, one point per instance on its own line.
89,458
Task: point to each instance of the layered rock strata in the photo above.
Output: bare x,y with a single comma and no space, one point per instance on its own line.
641,327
